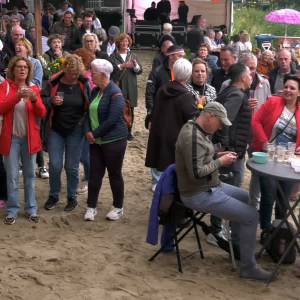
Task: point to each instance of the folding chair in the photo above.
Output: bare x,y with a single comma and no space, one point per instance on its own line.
182,220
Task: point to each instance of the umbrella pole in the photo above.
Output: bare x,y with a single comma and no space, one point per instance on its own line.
285,34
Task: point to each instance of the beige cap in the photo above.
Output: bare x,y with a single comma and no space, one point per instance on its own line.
219,111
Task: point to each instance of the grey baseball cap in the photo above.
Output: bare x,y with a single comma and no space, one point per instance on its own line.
113,31
219,111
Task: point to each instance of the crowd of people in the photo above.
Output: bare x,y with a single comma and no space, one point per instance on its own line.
204,114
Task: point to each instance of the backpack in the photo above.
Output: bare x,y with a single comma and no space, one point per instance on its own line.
281,241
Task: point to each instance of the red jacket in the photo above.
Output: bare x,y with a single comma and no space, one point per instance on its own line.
264,119
34,111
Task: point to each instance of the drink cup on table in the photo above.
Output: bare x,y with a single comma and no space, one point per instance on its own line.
271,151
280,151
291,150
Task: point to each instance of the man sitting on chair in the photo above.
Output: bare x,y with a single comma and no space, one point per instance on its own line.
200,188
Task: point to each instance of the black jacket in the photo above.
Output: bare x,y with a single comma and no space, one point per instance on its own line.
218,77
156,79
236,137
174,106
273,75
195,38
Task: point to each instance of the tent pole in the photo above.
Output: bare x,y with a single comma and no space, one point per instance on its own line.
38,26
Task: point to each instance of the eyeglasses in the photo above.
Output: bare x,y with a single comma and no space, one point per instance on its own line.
21,67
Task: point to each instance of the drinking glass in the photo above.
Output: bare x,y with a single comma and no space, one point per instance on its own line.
280,151
271,151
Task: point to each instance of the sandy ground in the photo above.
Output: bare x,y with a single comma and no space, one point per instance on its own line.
64,257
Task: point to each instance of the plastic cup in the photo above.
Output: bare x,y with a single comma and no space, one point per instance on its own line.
61,95
271,151
280,151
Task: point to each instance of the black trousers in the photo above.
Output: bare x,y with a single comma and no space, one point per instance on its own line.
108,156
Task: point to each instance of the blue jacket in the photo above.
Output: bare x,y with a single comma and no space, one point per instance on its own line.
167,185
37,71
110,113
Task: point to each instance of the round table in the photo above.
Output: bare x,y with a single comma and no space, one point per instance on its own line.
279,171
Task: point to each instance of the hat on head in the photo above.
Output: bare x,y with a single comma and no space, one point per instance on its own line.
174,50
70,10
113,31
218,110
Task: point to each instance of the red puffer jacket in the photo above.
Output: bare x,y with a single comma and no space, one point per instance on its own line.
264,119
34,111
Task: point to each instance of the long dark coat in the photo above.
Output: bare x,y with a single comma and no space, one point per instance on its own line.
174,105
128,78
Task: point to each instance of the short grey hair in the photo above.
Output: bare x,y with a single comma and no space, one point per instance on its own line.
245,57
102,66
95,37
182,70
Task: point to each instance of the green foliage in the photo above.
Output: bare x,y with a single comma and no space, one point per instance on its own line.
252,20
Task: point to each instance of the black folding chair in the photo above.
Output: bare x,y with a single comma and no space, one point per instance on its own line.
183,220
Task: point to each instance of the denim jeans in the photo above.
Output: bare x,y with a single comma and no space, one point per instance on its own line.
19,150
70,147
238,170
269,194
254,190
229,202
3,185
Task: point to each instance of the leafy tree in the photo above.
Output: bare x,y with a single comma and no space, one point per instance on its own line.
252,20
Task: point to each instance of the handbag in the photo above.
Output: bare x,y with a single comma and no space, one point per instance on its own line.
1,116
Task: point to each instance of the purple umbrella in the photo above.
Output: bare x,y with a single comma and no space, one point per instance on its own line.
284,16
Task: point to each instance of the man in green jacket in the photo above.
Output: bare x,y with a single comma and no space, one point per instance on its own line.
200,188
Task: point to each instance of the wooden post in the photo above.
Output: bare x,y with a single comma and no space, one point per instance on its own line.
38,26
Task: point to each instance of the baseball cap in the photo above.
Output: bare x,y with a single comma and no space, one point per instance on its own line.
218,110
113,31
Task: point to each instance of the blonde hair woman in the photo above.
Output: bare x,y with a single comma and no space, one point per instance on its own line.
66,96
23,48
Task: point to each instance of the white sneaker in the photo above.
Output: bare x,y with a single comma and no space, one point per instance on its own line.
90,214
43,173
115,214
153,187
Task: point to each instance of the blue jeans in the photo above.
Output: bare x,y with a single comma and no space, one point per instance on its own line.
71,147
19,149
229,202
269,194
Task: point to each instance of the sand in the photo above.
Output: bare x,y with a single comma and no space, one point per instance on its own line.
64,257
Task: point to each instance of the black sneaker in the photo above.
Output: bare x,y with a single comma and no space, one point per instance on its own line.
72,203
50,203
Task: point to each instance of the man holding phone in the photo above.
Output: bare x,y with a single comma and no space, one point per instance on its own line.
200,188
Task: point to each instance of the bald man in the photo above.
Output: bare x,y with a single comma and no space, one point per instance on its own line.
285,66
8,51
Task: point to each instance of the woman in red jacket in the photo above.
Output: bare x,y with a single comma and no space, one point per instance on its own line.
20,106
277,120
